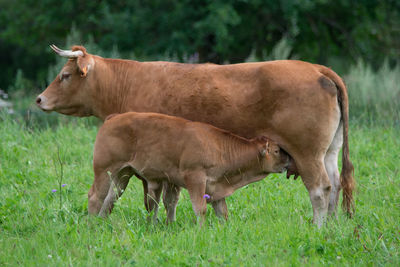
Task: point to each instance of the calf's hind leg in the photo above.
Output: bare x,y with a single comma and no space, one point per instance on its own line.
153,199
152,192
170,200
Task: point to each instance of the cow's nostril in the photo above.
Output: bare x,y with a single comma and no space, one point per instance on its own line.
38,100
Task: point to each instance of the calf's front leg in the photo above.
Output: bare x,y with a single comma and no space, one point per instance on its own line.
98,192
106,189
195,182
220,208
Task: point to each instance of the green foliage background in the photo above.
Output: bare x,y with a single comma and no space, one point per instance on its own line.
335,33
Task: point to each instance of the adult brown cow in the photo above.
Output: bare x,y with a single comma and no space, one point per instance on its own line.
302,106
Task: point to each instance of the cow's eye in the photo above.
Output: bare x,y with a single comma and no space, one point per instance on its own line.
65,76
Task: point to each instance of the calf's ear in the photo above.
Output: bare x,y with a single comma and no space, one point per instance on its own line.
264,150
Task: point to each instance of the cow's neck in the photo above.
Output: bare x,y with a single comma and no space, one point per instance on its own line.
113,84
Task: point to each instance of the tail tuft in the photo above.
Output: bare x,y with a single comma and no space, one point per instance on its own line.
348,184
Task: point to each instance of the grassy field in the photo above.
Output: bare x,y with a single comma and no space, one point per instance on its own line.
269,221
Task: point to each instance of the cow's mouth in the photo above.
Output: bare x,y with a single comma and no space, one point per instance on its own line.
47,110
66,111
73,111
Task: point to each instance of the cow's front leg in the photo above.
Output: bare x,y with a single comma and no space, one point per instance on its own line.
170,199
220,208
195,182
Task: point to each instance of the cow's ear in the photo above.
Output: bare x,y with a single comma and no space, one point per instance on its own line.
85,64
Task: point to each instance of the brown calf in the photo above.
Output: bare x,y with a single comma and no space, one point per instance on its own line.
210,162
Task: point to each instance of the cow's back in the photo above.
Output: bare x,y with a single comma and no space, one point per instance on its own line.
275,98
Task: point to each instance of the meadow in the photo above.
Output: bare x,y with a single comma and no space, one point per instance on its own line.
46,172
269,221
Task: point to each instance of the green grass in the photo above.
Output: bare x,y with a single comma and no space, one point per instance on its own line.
269,221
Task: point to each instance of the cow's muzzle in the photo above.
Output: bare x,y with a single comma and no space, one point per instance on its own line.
41,103
38,100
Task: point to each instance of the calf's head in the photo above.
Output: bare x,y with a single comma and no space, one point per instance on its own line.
272,157
69,92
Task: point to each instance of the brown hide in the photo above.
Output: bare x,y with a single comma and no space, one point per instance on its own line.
296,103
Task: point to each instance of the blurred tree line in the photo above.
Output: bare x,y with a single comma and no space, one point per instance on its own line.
334,33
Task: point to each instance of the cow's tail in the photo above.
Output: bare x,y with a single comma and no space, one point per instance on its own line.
346,176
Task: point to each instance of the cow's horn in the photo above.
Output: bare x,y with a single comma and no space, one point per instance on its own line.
66,53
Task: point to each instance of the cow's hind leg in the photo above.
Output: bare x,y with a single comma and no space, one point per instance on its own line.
316,180
170,199
331,165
